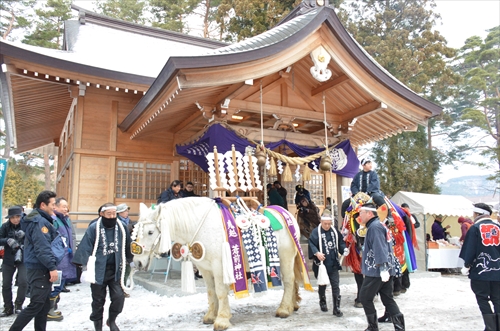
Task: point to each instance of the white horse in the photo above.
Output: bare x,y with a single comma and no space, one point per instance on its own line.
179,220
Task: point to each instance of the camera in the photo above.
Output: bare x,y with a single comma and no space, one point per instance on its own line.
18,258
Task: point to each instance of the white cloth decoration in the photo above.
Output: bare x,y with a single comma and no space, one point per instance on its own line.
297,173
280,167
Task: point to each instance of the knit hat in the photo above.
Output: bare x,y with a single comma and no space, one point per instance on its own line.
122,207
461,219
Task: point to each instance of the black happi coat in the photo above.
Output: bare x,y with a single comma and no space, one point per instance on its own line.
86,247
335,244
481,250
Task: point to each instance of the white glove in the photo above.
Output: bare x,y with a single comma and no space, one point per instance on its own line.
346,251
132,264
385,275
465,271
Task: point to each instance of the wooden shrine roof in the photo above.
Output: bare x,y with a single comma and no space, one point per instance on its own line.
363,101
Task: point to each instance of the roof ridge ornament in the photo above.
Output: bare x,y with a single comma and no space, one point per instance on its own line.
320,70
310,4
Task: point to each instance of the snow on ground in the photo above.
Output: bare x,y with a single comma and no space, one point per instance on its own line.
432,303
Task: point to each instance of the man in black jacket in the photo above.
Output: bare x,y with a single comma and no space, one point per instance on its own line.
12,238
481,255
40,261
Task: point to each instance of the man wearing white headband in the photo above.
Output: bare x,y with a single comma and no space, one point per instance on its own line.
481,255
112,240
378,267
325,245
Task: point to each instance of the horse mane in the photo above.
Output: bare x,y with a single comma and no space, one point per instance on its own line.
181,217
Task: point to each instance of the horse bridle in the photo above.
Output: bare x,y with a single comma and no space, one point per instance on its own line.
135,244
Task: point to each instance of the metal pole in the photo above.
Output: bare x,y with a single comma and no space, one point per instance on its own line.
425,242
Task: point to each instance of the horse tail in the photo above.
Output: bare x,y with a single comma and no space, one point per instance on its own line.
297,270
299,280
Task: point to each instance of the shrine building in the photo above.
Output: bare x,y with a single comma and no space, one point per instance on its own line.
127,108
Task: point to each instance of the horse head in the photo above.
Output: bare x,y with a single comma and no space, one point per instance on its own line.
146,236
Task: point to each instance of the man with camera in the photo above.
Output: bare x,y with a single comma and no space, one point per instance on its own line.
12,238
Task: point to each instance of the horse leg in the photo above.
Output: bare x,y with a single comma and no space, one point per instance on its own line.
296,296
213,302
287,305
224,313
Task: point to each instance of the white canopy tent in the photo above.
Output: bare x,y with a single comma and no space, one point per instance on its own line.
425,207
434,204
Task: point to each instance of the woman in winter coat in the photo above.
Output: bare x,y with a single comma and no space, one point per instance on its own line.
309,217
465,224
174,192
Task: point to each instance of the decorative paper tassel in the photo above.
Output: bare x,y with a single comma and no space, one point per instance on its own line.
187,277
272,170
90,270
227,265
306,174
287,174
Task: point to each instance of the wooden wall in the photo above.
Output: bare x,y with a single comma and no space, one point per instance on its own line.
88,161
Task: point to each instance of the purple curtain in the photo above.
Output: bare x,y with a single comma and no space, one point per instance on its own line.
223,138
216,135
349,170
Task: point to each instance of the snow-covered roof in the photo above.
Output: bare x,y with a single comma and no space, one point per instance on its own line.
435,204
270,37
117,50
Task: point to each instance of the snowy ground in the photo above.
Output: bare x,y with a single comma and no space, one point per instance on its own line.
432,303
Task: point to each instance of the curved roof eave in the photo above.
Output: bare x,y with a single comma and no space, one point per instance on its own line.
324,15
7,49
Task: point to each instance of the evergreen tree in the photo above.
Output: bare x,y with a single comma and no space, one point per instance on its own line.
171,14
49,27
408,165
126,10
14,15
21,183
400,36
478,102
241,19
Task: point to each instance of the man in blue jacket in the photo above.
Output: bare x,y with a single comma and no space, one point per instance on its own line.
40,261
377,267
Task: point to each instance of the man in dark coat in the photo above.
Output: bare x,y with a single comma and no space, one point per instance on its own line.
367,181
301,192
112,241
282,192
274,197
377,267
188,191
438,231
63,225
327,249
12,238
40,261
481,255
